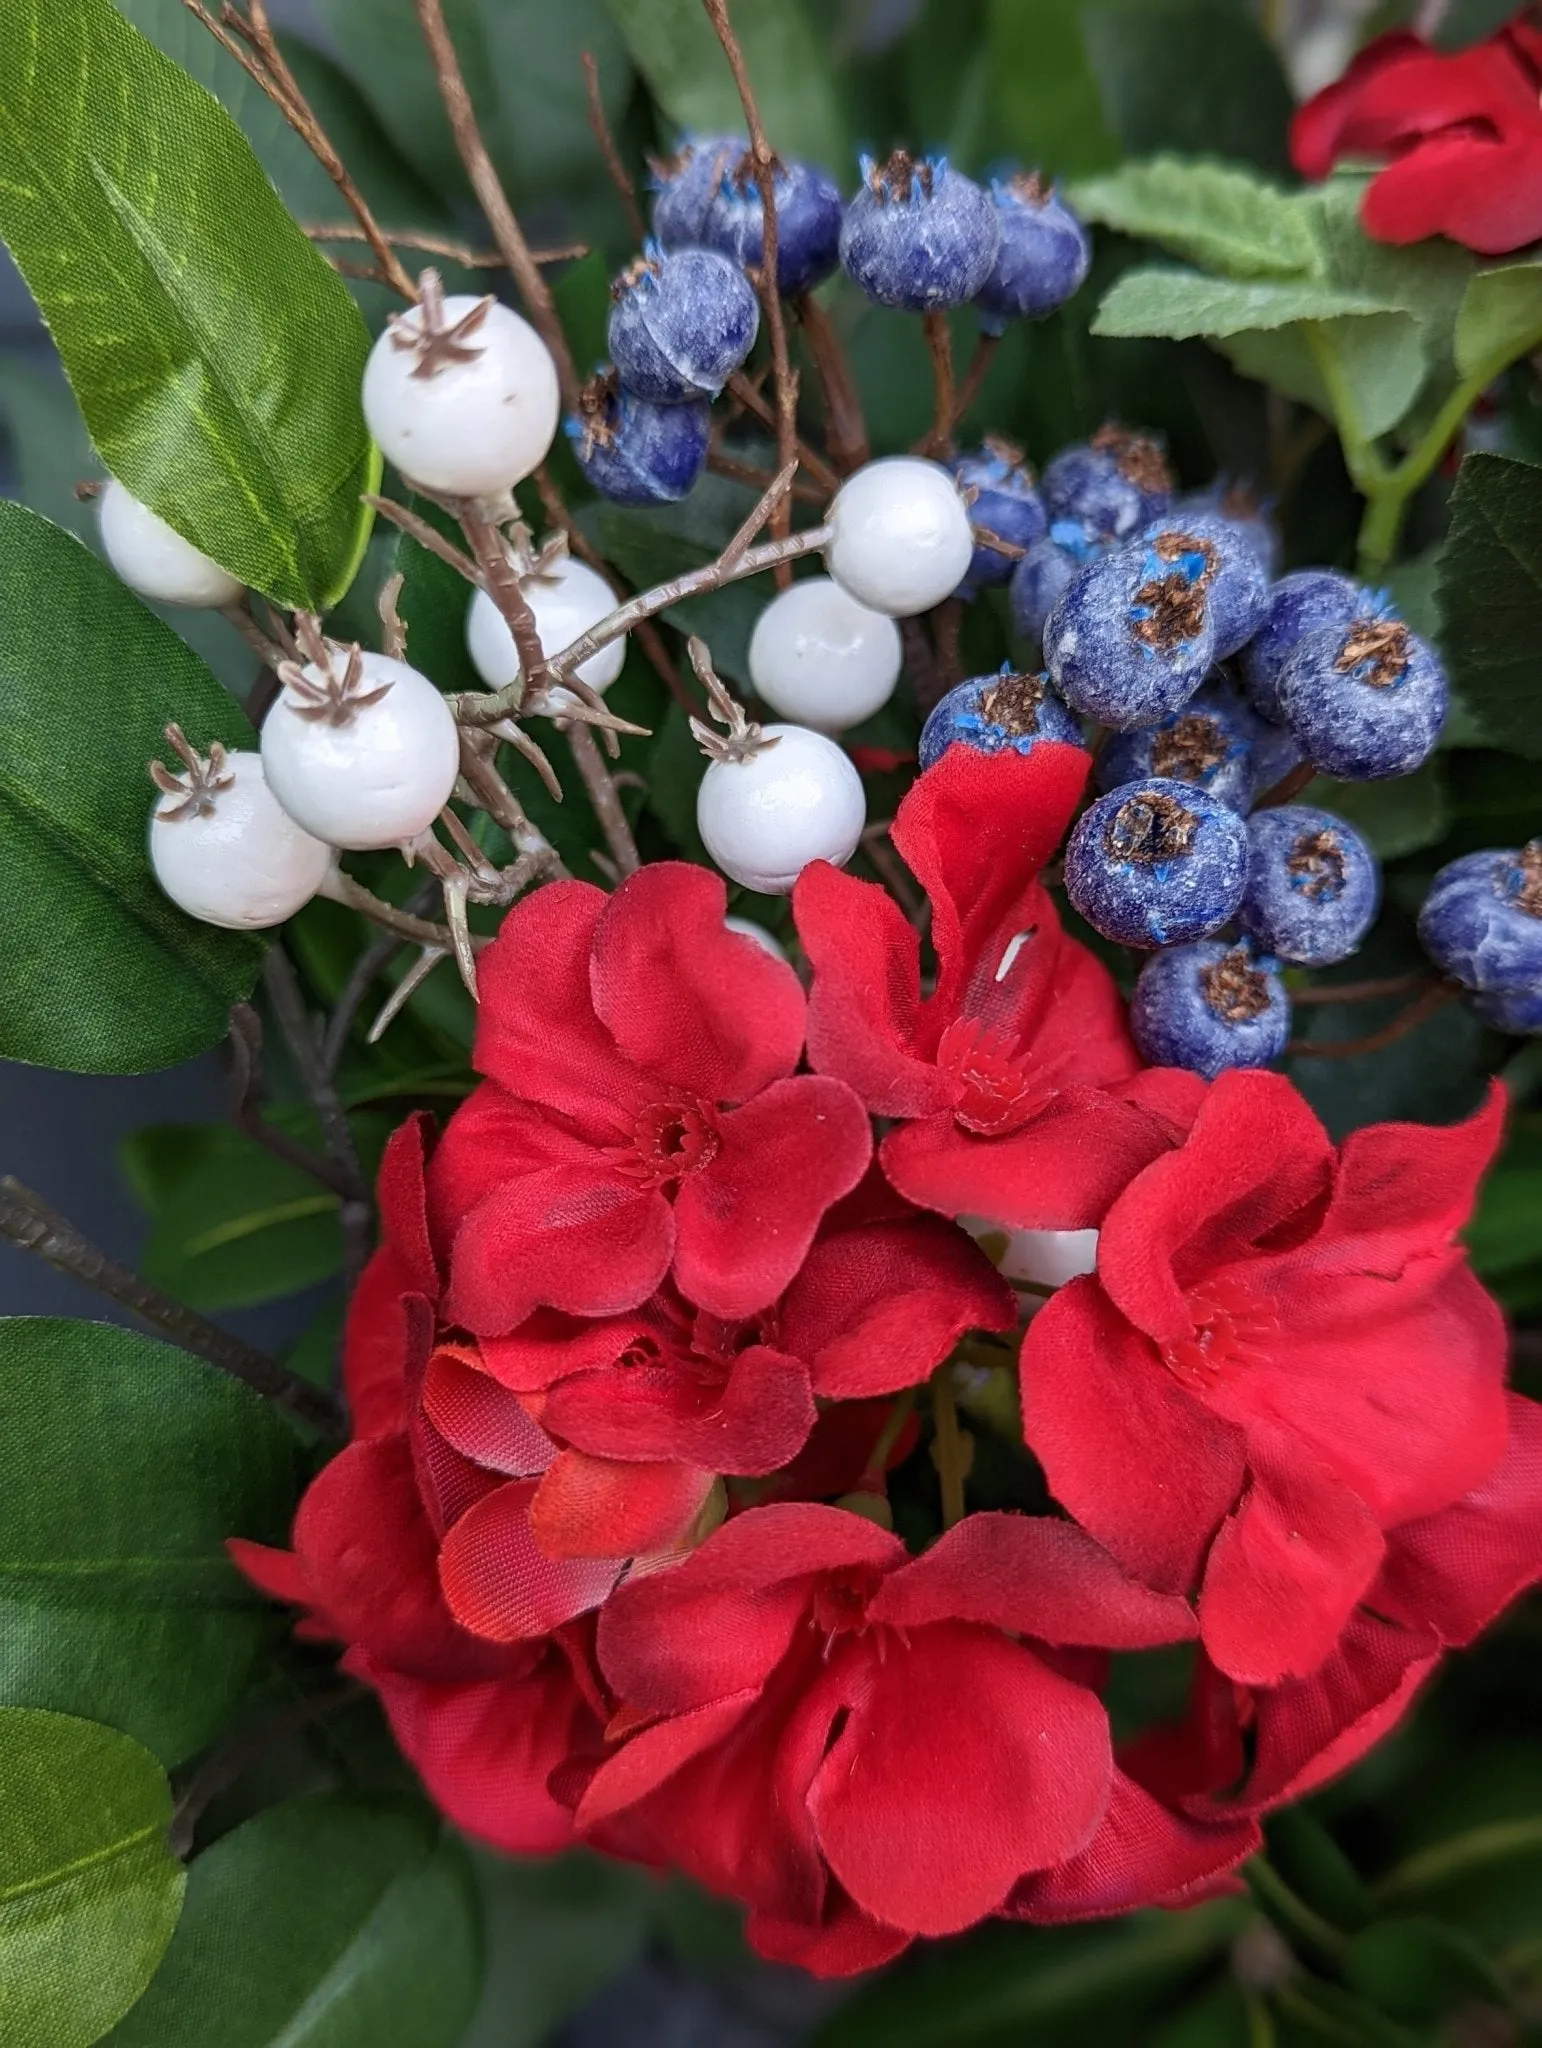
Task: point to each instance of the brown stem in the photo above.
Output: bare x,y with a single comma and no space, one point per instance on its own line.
947,630
606,799
28,1221
440,245
492,198
500,579
740,387
245,1043
925,678
1287,787
1361,991
746,473
419,931
241,616
425,535
477,766
845,428
1417,1013
974,377
939,343
620,177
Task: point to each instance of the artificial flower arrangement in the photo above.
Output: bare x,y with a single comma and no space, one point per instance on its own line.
841,1305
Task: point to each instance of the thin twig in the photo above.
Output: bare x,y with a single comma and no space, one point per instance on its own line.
245,1043
919,659
404,991
939,343
1287,788
1417,1013
419,931
974,377
241,616
762,513
494,201
947,631
948,1449
1361,991
741,388
620,177
479,771
426,536
606,799
440,245
222,1769
28,1221
746,473
845,428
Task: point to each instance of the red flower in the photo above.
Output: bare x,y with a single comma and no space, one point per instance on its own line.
1003,1074
1282,1355
641,1115
862,1746
1462,133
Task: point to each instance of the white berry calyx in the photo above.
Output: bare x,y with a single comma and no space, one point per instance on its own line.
221,846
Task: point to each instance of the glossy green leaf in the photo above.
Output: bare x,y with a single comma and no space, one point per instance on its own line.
215,354
1499,320
242,1227
336,1921
1216,215
124,1465
1189,75
1491,598
102,973
89,1888
674,46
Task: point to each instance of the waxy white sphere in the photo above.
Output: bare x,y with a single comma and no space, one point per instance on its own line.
1049,1258
747,928
900,538
565,601
244,866
820,658
153,558
379,778
472,428
766,818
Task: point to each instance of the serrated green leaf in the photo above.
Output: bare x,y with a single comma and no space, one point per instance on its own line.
103,974
1162,299
336,1921
124,1465
1499,320
1381,359
674,46
216,356
89,1888
1491,598
1212,214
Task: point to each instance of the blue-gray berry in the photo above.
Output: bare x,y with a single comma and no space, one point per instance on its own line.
1204,744
1303,602
1038,583
1518,1010
1132,639
919,235
1239,588
1043,255
1009,712
808,221
1249,515
1156,863
681,324
1112,486
633,451
1366,700
684,186
1313,887
1482,919
1004,503
1210,1006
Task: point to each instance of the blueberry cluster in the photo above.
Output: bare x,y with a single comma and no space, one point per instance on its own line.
1482,925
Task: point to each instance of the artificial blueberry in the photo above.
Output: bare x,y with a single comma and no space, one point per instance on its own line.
808,221
1209,1006
1301,603
1043,254
633,451
1482,919
1004,503
1313,888
681,325
1112,485
918,235
1239,588
1038,583
1276,750
1132,640
1242,508
1517,1010
1204,744
1366,700
1156,863
684,186
1008,712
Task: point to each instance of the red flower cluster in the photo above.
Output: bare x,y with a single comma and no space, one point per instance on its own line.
639,1349
1460,133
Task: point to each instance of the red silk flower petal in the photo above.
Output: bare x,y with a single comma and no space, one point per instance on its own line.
651,1758
402,1198
753,1422
1321,129
278,1573
1403,1190
594,1508
480,1419
1143,1854
378,1338
563,1237
501,1585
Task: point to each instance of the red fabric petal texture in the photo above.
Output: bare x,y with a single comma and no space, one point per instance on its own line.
1143,1854
501,1585
402,1198
278,1573
594,1508
482,1421
752,1421
563,1237
1404,1190
652,1757
376,1341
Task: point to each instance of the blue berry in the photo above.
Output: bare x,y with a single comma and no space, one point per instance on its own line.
1243,510
1239,589
1112,486
1518,1010
1275,748
1004,503
1366,700
633,451
1043,256
918,235
1038,583
681,325
1132,640
997,714
808,222
684,186
1313,888
1204,744
1303,602
1210,1006
1156,863
1482,920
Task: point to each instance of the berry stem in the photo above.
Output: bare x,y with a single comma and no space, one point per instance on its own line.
845,428
974,377
1288,787
939,342
418,931
1418,1012
743,392
1361,991
605,798
446,246
948,1450
620,177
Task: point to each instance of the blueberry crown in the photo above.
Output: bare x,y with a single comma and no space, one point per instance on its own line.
1234,988
903,179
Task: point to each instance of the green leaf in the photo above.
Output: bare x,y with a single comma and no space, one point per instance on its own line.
1417,1969
124,1465
1161,299
1381,359
1189,75
240,1227
1499,320
674,46
1399,816
1216,215
103,974
1491,598
336,1921
89,1888
216,356
557,1929
1044,97
1504,1234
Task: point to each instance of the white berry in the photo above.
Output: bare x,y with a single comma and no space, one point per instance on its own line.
364,755
566,599
900,539
228,854
747,928
466,405
1049,1258
819,657
153,558
764,819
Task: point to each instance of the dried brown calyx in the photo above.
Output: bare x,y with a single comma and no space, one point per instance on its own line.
199,783
1031,187
1234,988
429,333
1316,865
596,408
1383,646
1006,452
630,278
1150,828
318,691
1012,702
901,175
1140,460
745,174
741,739
1528,896
1172,607
1188,750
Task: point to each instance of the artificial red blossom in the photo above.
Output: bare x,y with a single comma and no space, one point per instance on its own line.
1019,1091
1282,1356
641,1115
1460,132
863,1746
